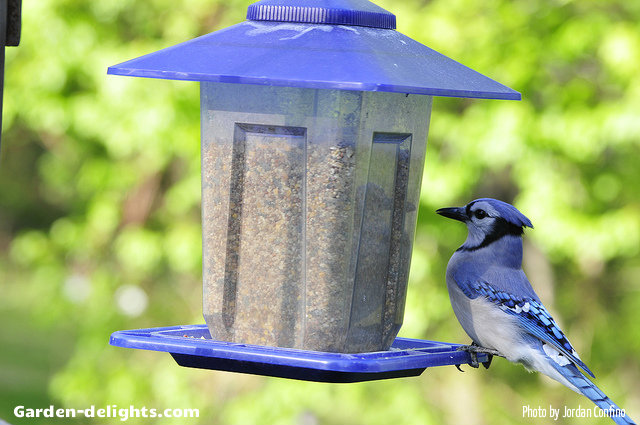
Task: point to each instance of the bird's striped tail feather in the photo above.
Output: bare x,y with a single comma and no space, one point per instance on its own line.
593,393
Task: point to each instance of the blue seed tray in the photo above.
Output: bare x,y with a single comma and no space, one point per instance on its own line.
406,357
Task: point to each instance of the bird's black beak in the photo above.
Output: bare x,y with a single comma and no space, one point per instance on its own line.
456,213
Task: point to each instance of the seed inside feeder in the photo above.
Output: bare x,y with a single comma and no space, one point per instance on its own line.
307,233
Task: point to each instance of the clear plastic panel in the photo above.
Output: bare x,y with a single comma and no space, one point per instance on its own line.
383,247
265,233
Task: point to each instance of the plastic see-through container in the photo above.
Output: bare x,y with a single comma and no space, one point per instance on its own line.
308,213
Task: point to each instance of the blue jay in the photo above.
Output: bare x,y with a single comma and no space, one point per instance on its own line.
497,307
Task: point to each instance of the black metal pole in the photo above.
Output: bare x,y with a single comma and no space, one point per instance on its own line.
3,40
10,23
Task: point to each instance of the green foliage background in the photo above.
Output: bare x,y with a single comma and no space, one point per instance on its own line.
100,192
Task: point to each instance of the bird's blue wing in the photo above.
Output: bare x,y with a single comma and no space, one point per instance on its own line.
532,316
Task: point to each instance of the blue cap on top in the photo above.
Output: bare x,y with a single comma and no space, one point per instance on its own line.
324,44
336,12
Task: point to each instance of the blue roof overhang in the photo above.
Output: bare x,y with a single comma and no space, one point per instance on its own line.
322,56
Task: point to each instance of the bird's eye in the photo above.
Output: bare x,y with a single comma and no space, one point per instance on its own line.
480,214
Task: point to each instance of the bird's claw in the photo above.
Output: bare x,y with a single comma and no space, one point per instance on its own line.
473,351
488,362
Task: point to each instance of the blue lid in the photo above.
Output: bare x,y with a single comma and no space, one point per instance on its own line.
335,12
330,44
192,346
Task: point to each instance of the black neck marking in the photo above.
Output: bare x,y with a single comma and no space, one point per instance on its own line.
500,229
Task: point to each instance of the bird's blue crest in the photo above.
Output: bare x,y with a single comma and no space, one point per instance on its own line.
507,212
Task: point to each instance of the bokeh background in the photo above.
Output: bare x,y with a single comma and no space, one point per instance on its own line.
100,192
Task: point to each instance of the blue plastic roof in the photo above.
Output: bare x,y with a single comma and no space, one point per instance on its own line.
317,55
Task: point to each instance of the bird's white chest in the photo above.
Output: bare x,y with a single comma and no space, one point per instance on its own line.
487,324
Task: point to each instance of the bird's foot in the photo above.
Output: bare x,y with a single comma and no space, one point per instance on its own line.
473,351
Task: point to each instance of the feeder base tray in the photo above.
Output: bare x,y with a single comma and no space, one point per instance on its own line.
192,346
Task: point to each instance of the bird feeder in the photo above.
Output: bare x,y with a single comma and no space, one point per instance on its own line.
314,119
